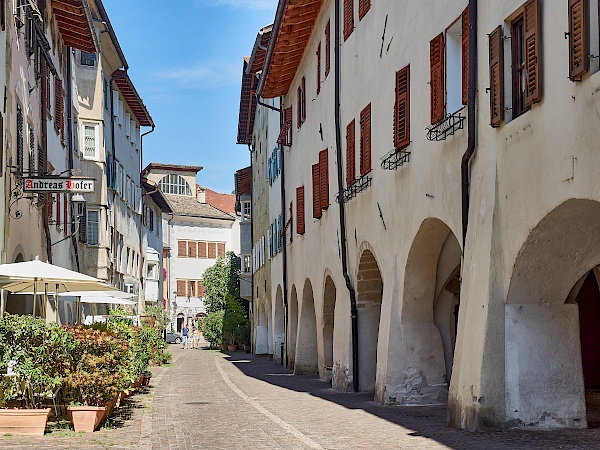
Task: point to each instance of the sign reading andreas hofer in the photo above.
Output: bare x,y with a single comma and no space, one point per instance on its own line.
56,184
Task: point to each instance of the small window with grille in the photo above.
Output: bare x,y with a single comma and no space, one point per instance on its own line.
88,59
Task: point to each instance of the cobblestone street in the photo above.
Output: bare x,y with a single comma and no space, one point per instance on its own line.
209,400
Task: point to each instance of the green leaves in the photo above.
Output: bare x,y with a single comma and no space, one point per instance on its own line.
220,279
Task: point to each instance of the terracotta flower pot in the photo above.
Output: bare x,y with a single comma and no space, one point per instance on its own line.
31,422
86,418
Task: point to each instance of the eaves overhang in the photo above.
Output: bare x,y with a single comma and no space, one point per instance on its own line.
259,51
75,24
132,98
294,23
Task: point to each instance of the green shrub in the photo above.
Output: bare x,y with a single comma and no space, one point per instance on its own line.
212,327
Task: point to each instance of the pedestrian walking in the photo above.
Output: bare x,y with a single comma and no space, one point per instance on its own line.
184,336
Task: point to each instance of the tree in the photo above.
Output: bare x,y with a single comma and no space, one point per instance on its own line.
212,327
234,322
221,279
161,316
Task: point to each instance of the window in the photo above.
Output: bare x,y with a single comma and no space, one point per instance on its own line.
246,211
151,220
20,140
448,57
115,103
127,124
365,140
300,210
88,59
212,250
285,135
202,250
221,250
93,228
324,178
31,151
120,112
59,121
182,248
192,247
152,272
301,100
518,66
496,77
350,153
402,109
105,92
47,89
246,263
90,140
174,184
583,38
348,18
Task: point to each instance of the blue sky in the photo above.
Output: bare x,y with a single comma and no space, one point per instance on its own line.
185,60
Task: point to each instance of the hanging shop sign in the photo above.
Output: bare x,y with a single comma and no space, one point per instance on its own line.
73,185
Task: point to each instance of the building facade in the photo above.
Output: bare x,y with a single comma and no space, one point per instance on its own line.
430,256
195,234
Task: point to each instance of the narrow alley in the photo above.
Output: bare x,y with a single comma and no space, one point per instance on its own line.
211,400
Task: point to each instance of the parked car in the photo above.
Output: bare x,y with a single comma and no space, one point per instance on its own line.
173,338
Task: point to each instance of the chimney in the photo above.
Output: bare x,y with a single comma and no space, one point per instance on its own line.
201,194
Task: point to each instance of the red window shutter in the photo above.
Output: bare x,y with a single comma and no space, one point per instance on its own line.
348,18
350,153
316,187
299,112
181,292
437,49
496,77
579,41
181,248
402,109
221,249
49,201
202,253
212,250
319,68
365,140
327,48
57,95
533,52
324,178
363,8
192,247
465,56
300,210
303,99
65,214
201,289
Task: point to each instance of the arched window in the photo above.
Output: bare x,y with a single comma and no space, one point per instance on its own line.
174,184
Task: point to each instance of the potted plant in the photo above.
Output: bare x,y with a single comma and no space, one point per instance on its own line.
31,352
212,328
95,375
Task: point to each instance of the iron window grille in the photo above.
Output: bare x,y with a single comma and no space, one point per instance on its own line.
447,127
360,184
394,159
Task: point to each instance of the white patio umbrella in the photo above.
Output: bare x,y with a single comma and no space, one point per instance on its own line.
106,299
37,276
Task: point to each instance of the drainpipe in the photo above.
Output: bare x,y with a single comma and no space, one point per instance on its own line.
46,218
338,143
114,171
70,149
471,124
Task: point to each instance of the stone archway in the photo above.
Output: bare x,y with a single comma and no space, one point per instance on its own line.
545,384
369,294
278,326
307,358
262,331
421,347
292,327
329,296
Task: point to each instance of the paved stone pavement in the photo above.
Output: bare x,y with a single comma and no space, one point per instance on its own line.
210,400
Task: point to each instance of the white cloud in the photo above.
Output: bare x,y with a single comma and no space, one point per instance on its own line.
238,4
206,75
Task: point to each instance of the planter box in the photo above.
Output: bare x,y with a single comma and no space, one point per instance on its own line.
86,418
232,348
30,422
